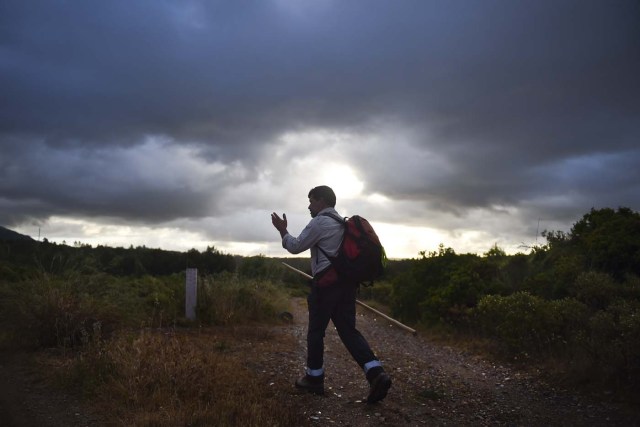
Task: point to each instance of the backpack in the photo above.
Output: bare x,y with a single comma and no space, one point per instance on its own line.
361,257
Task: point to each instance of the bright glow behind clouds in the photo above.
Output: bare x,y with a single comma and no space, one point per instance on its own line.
406,242
342,179
463,123
310,158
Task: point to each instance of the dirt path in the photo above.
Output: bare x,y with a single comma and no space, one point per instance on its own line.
432,385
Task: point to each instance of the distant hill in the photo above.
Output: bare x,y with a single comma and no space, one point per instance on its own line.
6,234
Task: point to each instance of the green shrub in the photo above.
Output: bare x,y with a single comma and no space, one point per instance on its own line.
50,312
380,292
61,310
527,324
9,273
225,299
567,326
259,267
614,342
595,289
518,321
606,343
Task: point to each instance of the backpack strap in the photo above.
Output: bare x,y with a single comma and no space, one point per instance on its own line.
341,220
336,217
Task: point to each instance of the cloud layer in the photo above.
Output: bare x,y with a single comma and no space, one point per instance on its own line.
202,117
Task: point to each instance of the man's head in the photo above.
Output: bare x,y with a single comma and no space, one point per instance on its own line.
321,197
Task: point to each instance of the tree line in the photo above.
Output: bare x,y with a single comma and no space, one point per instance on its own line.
19,257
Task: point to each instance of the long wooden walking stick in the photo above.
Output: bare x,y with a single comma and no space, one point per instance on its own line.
379,313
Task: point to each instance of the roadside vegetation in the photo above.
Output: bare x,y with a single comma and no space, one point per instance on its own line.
112,319
571,305
123,342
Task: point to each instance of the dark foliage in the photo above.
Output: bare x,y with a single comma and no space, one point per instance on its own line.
575,299
17,256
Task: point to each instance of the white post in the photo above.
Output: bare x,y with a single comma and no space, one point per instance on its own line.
191,293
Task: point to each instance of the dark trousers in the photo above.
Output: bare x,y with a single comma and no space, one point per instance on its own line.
338,304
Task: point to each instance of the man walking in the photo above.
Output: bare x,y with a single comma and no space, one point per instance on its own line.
331,297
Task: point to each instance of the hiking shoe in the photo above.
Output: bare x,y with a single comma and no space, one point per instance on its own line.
380,385
312,384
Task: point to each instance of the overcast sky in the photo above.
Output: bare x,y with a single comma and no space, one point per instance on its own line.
184,124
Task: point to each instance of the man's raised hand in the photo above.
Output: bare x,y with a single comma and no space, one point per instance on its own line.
279,223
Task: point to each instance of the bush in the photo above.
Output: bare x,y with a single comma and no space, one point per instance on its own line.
606,343
259,267
50,312
567,327
153,301
614,342
518,321
380,292
595,289
527,324
224,299
59,311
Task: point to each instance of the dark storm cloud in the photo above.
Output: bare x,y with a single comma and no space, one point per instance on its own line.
529,87
146,186
510,97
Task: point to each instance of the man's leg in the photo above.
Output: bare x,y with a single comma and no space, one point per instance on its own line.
344,319
319,316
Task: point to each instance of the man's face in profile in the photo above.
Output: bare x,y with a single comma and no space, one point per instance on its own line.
315,206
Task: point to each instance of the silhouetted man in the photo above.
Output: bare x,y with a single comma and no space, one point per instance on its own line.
331,297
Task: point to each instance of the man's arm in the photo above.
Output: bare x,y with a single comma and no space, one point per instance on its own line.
311,234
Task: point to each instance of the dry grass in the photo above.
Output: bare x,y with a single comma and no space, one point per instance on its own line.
198,376
185,378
